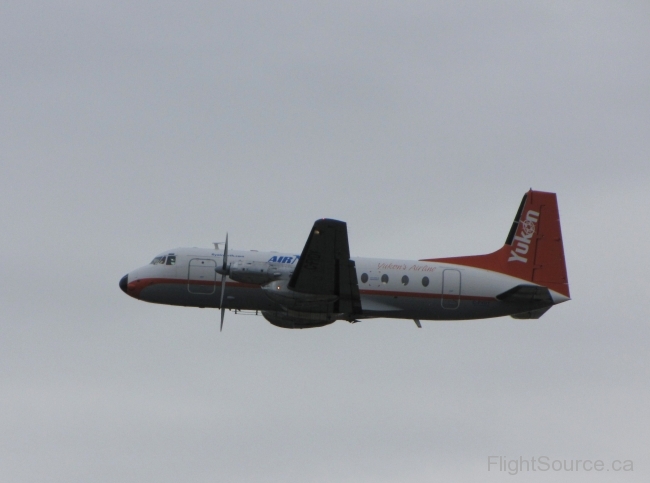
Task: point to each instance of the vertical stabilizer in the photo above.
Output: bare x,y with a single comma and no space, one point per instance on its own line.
533,250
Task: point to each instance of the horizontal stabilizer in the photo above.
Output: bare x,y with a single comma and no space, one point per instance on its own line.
531,314
532,297
527,294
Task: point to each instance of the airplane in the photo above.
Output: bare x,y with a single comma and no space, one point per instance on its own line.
323,284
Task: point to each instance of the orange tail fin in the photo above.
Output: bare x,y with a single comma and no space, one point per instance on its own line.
533,250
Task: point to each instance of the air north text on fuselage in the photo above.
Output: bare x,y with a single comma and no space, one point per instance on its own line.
291,260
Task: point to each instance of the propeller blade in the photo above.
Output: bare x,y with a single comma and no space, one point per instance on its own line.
223,292
225,254
223,280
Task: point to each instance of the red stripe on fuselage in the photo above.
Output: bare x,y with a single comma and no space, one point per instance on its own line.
388,293
135,288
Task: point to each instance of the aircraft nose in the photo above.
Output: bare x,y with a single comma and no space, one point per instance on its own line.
124,281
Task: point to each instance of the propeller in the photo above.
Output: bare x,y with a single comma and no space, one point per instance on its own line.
224,270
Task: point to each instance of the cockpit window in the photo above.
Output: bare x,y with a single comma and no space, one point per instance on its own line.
171,260
158,261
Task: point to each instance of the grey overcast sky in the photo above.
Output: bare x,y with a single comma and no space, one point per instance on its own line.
128,128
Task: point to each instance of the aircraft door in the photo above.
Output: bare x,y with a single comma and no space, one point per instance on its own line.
450,289
201,277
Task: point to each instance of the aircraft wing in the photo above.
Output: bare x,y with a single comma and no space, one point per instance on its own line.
325,268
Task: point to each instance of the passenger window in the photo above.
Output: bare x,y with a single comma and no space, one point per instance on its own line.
171,260
384,278
364,277
425,281
405,280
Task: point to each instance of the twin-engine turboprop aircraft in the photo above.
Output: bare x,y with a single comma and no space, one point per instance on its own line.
323,284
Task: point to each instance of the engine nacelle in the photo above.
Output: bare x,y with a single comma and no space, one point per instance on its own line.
297,321
280,293
258,273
